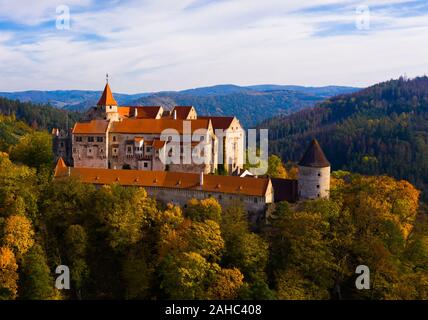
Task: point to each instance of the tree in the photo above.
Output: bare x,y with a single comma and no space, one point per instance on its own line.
19,189
292,285
226,285
185,276
243,249
18,234
34,150
76,242
124,212
138,274
275,167
8,274
35,281
200,210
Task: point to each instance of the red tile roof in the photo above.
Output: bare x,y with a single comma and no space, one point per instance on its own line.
314,157
107,98
182,111
91,127
167,179
219,122
155,126
143,112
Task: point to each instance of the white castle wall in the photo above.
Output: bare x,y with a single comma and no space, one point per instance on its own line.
313,182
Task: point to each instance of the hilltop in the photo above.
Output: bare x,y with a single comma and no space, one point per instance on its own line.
379,130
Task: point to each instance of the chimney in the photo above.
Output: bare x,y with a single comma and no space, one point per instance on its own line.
201,179
135,112
175,115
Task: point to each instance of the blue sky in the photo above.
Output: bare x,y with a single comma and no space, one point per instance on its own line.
154,45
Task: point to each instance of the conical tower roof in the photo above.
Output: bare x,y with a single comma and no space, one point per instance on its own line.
107,98
314,157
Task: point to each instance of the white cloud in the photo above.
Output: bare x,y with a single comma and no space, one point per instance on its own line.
170,44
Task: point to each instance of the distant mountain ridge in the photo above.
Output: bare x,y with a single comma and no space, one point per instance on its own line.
252,104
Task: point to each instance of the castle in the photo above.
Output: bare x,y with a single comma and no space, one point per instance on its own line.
128,145
133,137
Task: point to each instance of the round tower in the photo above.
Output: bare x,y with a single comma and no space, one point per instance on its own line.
314,174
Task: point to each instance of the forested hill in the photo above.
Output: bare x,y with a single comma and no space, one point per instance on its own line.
379,130
251,104
38,116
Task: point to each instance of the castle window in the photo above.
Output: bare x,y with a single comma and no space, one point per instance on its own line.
114,138
78,139
318,186
128,150
115,151
319,174
146,164
90,139
318,195
62,144
255,200
100,139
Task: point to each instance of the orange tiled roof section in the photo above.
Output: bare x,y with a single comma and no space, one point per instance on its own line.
155,125
91,127
158,144
107,98
219,122
143,112
166,179
182,111
61,167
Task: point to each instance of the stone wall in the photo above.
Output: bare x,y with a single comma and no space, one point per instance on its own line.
313,182
88,154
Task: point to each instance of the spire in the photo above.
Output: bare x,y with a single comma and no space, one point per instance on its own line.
314,157
107,98
60,167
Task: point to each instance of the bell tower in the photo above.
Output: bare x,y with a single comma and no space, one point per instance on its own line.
107,105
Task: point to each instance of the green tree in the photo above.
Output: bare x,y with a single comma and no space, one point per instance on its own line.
34,150
200,210
35,281
276,168
76,242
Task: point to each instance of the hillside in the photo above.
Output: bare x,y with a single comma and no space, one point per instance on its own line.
36,115
380,130
246,102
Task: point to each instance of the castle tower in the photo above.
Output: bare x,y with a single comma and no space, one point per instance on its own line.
314,174
107,105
